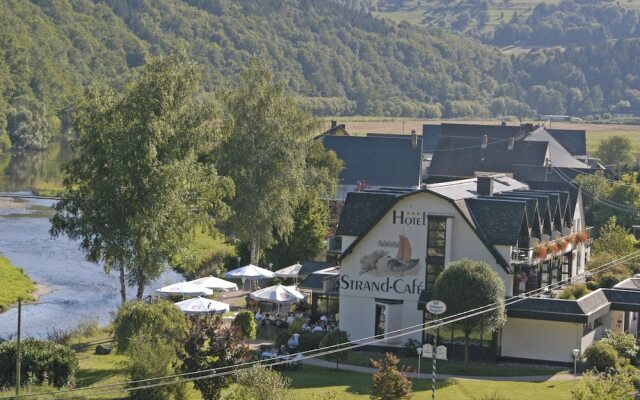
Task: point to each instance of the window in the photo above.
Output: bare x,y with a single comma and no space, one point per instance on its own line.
436,240
381,312
327,305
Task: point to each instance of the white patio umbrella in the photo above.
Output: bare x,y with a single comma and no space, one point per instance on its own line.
251,272
185,289
277,294
200,305
214,283
291,271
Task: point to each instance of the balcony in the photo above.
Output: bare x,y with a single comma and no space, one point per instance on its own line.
550,246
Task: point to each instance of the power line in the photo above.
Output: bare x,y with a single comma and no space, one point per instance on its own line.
223,371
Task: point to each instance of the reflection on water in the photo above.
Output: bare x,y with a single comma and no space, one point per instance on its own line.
80,290
18,170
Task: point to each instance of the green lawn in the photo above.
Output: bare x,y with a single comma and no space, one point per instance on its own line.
595,137
353,385
456,367
15,284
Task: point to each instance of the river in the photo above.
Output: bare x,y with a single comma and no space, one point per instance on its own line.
79,290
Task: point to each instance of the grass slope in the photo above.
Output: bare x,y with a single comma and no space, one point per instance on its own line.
15,284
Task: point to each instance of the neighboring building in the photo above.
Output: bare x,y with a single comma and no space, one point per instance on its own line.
393,246
376,162
337,129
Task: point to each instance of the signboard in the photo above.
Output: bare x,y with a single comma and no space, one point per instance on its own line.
436,307
441,352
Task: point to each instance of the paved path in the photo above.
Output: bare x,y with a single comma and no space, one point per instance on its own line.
561,376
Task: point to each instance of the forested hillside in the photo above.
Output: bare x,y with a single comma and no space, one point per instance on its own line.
339,59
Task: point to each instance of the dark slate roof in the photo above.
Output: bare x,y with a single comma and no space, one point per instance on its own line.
463,156
573,191
477,131
499,220
623,300
312,282
544,206
377,160
309,267
362,210
533,216
575,141
547,309
430,136
558,155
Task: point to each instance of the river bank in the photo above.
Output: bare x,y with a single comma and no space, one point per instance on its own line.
15,285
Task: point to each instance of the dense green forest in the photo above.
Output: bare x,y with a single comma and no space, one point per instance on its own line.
339,58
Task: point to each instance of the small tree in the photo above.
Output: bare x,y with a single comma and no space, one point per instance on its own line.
211,345
335,338
246,324
481,286
601,356
614,239
604,387
388,382
150,358
162,320
616,152
260,383
624,344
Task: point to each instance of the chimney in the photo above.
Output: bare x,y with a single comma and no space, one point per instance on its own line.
414,139
512,142
485,141
334,124
485,185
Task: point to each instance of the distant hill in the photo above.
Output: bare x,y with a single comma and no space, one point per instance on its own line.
337,57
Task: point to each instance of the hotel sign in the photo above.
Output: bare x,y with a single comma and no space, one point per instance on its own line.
416,218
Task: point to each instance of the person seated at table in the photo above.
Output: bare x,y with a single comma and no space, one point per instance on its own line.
292,343
306,327
323,318
283,351
259,316
290,319
317,328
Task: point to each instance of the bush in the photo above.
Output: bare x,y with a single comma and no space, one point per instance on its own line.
296,327
601,356
609,387
310,341
150,359
624,343
158,320
282,339
573,292
335,338
260,383
42,361
246,323
608,281
592,285
388,381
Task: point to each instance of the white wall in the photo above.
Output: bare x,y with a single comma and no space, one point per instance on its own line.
540,340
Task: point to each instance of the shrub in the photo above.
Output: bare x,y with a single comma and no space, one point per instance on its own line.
296,327
334,338
310,341
159,320
42,361
260,383
608,280
609,387
282,339
624,343
601,356
573,292
245,322
388,381
592,285
150,359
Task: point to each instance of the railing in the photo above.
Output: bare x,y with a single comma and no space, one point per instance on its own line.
551,248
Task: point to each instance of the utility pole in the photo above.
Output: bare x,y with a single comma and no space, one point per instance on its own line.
18,348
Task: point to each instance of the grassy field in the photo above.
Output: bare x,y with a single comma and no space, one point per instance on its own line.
595,132
14,284
98,370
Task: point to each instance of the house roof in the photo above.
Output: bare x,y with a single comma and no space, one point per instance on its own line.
465,188
309,267
533,216
559,156
500,220
430,136
477,130
377,160
464,156
574,141
362,210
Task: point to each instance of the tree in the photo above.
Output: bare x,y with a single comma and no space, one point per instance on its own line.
624,344
135,189
27,124
210,345
162,319
333,339
604,387
615,152
260,383
481,286
263,151
614,239
601,356
388,382
246,324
